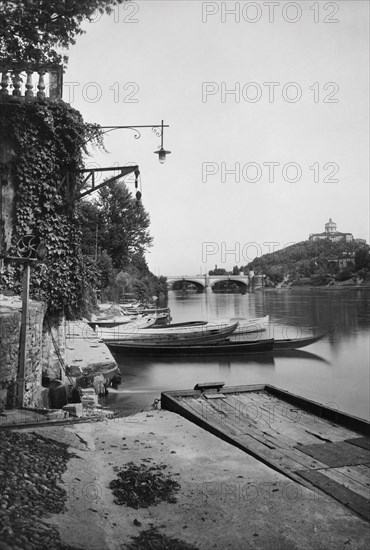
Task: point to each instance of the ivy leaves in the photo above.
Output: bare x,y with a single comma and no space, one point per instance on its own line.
48,138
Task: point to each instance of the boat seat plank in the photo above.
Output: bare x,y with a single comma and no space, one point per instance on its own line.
209,386
342,476
347,497
363,442
337,454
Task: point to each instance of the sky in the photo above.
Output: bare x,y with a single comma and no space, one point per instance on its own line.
268,114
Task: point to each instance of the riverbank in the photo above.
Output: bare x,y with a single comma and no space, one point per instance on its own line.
86,354
343,285
227,499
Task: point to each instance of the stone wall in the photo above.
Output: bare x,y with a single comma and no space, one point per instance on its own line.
54,346
33,373
10,326
7,193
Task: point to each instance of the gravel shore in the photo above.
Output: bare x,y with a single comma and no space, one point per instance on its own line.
31,469
60,497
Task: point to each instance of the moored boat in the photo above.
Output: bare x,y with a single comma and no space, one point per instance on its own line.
247,326
121,329
208,348
104,322
189,334
296,343
190,349
184,324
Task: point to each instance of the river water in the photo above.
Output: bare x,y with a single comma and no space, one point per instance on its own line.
334,371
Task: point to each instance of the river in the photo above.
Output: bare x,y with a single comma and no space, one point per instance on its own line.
334,371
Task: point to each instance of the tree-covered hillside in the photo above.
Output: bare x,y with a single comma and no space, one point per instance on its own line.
318,261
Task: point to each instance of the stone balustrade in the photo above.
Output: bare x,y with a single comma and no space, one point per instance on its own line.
30,83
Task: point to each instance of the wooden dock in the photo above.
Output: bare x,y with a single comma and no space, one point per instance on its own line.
312,444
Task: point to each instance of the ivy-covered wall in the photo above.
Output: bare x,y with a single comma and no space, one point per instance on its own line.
41,142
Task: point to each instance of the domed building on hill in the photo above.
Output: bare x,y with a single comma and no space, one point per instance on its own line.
331,233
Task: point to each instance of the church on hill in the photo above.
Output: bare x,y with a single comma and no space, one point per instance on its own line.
332,234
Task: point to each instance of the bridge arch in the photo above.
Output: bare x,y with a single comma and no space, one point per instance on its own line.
242,285
202,282
200,285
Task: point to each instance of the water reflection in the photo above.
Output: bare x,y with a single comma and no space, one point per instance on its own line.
300,354
335,369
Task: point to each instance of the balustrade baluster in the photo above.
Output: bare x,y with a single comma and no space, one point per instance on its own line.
41,85
4,83
29,85
17,81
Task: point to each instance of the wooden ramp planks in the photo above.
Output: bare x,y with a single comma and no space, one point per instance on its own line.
246,431
350,478
346,496
363,442
337,454
297,437
302,425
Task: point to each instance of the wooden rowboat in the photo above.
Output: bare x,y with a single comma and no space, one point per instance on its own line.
296,343
111,323
208,348
244,325
196,348
175,335
247,326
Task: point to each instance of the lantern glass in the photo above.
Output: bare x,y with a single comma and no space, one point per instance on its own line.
162,154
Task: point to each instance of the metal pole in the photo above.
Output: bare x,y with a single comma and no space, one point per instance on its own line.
23,336
96,243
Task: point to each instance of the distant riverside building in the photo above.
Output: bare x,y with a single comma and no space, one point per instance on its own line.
332,234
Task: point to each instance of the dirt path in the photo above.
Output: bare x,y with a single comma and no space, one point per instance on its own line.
228,500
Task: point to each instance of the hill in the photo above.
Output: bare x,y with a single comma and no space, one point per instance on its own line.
316,262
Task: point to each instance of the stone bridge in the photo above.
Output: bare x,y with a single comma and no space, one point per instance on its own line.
207,281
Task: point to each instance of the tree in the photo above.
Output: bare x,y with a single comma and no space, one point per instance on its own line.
32,30
125,225
362,259
91,222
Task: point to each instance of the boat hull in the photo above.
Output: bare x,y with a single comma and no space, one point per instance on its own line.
208,349
296,343
178,335
223,347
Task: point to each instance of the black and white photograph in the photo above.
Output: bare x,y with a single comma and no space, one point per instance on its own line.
184,275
